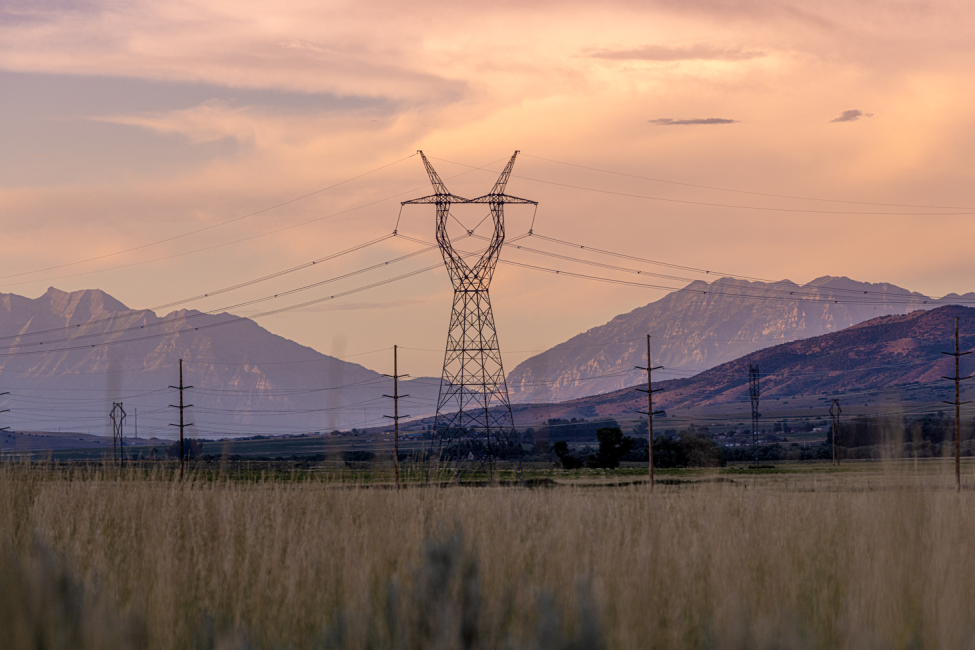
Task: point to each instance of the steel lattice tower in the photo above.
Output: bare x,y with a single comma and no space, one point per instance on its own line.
118,439
754,393
473,405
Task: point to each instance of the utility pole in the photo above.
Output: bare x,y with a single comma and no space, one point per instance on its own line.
834,413
181,388
753,393
118,417
4,411
395,417
957,404
650,412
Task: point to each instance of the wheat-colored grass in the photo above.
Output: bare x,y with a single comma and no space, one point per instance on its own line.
95,560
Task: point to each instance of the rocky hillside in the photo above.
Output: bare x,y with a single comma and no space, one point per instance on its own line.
703,326
66,357
881,354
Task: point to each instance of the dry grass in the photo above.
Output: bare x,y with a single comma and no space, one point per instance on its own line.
879,560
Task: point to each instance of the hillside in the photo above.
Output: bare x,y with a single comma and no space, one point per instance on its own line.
900,356
66,357
704,326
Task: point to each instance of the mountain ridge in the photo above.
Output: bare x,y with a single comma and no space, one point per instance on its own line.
703,325
95,350
897,354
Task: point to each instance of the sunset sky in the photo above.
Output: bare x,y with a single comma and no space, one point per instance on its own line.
126,124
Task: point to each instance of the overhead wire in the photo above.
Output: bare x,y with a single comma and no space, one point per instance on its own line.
170,321
765,194
210,227
967,212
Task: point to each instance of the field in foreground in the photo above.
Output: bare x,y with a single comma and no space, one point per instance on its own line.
873,557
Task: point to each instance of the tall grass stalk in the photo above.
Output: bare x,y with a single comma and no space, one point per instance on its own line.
143,560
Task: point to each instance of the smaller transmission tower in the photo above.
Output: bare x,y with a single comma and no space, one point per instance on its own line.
396,417
4,411
650,412
834,413
118,440
957,404
753,393
181,388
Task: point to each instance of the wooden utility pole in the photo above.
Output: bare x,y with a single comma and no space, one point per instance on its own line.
834,413
4,411
181,388
957,404
650,412
395,417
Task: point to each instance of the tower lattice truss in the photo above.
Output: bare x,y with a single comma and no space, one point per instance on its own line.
473,406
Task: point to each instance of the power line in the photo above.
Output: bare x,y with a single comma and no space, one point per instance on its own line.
710,290
765,194
209,294
235,241
165,322
969,211
713,273
210,227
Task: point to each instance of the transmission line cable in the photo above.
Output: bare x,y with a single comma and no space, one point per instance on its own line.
721,273
210,294
236,319
967,212
212,312
765,194
212,226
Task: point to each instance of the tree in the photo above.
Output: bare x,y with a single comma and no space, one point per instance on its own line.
191,447
613,445
568,460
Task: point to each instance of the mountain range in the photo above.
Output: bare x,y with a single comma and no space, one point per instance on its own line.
705,325
896,361
65,358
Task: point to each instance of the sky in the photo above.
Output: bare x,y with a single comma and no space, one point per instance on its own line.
159,151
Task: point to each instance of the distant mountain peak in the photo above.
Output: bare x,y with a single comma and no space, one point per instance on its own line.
83,302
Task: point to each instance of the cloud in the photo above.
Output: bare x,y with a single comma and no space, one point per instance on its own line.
692,53
210,121
669,121
851,116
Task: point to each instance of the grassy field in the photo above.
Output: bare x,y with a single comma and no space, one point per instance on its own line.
873,555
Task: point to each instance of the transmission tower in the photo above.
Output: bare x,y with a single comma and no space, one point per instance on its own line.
650,412
118,417
753,393
957,404
4,411
181,407
473,406
396,417
834,413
